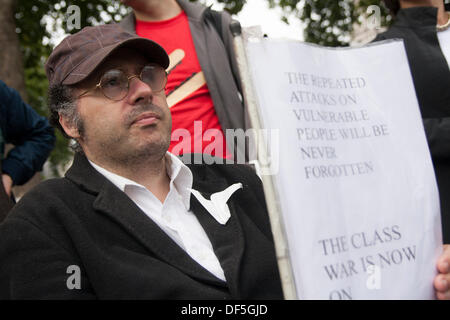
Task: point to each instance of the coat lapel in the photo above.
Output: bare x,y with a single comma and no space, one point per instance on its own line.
120,208
227,240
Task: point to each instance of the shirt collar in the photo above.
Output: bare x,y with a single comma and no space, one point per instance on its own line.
180,177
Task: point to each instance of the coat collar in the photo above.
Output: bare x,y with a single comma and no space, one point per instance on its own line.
180,177
227,240
193,10
84,175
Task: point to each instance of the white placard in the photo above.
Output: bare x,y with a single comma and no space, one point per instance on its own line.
356,183
444,41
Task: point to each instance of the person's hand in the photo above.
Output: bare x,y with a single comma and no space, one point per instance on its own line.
7,183
442,280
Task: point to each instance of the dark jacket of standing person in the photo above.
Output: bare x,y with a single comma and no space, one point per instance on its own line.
31,134
431,77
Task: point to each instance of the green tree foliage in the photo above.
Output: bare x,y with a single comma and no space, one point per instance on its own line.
330,22
35,21
327,22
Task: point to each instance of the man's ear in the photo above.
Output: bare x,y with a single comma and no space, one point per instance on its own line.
69,127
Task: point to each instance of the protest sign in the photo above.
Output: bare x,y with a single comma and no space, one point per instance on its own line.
355,182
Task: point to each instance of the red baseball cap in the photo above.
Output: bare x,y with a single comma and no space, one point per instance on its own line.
74,59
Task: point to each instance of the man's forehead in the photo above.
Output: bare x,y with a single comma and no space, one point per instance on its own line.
129,60
125,58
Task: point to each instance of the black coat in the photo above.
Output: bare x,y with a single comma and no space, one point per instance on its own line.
86,221
431,76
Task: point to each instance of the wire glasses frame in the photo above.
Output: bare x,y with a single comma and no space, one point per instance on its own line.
115,84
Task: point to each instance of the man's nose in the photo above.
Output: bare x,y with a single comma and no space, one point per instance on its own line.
139,91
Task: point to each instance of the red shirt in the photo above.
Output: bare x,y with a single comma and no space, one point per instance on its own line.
187,93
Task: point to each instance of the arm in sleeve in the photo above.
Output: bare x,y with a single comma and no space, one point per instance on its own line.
437,131
227,38
35,266
31,134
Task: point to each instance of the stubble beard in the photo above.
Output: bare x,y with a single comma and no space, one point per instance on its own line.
112,151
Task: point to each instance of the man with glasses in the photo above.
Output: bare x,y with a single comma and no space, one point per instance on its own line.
122,223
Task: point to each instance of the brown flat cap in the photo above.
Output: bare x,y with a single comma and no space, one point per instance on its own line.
79,54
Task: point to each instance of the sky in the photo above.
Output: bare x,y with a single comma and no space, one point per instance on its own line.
257,12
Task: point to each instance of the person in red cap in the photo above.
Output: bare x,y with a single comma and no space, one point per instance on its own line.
122,223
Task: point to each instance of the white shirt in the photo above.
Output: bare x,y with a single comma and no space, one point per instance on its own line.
173,216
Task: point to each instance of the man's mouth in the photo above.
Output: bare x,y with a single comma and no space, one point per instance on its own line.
146,118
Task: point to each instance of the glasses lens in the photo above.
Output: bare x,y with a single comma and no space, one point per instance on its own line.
114,84
155,76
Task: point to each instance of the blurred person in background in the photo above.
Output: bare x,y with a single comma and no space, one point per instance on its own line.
33,138
418,23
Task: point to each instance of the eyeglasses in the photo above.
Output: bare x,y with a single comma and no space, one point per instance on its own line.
114,84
